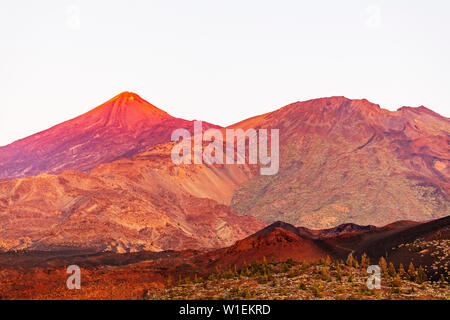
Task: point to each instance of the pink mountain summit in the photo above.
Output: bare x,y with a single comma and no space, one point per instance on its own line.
119,128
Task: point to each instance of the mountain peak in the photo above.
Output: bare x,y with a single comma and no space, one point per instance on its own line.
274,226
130,102
334,105
127,96
125,110
421,110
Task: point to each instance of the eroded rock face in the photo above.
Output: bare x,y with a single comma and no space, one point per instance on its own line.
142,203
119,128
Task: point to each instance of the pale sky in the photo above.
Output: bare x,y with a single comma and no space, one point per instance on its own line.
218,61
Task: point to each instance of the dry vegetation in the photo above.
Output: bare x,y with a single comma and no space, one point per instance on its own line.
324,279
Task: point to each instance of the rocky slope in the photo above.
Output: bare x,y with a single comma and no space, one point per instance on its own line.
142,203
345,160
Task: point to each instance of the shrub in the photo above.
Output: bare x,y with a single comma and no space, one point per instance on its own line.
401,271
396,282
351,262
411,271
365,261
317,291
383,265
284,267
290,262
325,274
421,276
338,273
442,281
392,271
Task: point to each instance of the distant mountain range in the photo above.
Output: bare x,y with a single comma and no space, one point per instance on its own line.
105,182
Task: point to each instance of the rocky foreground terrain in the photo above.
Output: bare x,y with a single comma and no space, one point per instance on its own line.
278,262
323,280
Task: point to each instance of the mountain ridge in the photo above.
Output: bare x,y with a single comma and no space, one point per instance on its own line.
345,160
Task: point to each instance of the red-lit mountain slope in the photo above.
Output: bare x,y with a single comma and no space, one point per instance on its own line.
345,160
119,128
